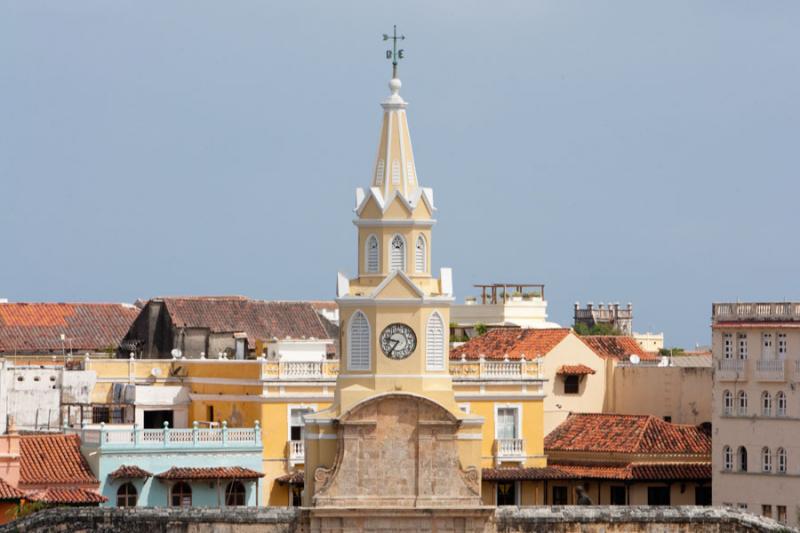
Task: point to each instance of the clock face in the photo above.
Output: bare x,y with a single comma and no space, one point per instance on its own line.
398,341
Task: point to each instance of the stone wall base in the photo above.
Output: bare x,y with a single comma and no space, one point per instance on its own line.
385,519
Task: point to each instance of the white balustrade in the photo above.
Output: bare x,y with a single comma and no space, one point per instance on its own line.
168,437
297,452
301,369
509,448
756,311
731,370
770,370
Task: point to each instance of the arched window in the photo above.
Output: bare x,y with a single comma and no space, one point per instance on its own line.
126,495
358,342
181,495
727,403
742,397
398,253
372,255
780,400
234,494
781,461
742,455
766,460
727,458
766,404
421,254
434,342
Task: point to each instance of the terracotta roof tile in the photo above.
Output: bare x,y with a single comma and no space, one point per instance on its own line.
530,473
596,432
129,472
618,347
37,327
9,493
296,477
514,342
613,471
220,472
67,496
654,471
594,470
53,460
575,370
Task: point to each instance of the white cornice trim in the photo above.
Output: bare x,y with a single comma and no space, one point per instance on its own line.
373,222
389,279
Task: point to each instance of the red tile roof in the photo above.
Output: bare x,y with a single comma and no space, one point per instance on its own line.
260,320
296,477
9,493
613,471
513,342
129,472
655,471
53,460
618,347
67,496
220,472
575,370
37,327
530,473
642,434
593,470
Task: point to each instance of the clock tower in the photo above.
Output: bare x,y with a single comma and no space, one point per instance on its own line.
394,435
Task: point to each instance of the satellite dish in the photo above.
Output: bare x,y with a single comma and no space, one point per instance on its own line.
634,359
155,372
175,353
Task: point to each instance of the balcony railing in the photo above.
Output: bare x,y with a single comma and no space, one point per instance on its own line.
294,370
194,437
761,311
495,370
771,370
297,452
731,370
509,450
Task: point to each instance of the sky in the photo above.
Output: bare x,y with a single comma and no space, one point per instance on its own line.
627,151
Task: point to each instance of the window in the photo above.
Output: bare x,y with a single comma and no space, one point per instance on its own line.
742,339
126,495
727,345
767,348
658,496
372,255
410,171
560,495
296,424
727,458
742,506
782,346
766,460
420,254
507,493
507,422
297,496
742,454
434,342
181,495
234,494
100,414
398,253
766,510
359,342
781,514
742,397
766,404
395,172
618,495
572,384
210,413
780,400
667,418
702,495
727,403
781,454
380,170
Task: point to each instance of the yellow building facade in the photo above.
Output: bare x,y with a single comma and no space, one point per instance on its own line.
394,324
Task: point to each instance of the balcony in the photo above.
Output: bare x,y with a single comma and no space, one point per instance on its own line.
300,370
136,438
297,452
756,312
509,450
771,370
495,370
731,370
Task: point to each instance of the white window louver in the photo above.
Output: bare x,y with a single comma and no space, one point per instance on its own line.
434,343
398,253
396,172
379,172
420,254
410,171
358,345
372,254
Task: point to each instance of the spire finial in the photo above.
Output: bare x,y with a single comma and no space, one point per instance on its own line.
394,54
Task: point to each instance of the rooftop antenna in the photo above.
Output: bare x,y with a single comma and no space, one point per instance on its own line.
394,54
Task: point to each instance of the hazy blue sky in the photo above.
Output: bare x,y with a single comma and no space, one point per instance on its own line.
615,151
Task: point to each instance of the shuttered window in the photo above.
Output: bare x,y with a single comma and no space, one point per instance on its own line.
410,171
420,254
379,171
358,342
398,253
372,261
434,342
396,172
506,423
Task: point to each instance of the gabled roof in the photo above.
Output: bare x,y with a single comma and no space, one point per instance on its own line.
53,460
67,496
37,327
260,320
634,434
218,472
574,370
618,347
512,342
9,493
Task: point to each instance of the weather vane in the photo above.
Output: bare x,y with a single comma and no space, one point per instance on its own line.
394,54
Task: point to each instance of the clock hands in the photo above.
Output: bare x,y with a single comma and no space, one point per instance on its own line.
394,345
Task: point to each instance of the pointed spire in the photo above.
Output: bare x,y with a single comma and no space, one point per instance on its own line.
394,165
